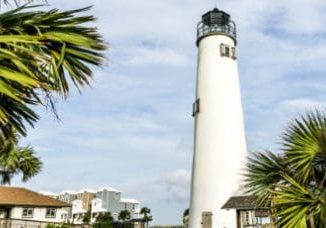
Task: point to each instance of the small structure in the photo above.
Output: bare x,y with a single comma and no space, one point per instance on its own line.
249,214
20,207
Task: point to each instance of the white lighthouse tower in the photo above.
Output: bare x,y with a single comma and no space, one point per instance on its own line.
220,146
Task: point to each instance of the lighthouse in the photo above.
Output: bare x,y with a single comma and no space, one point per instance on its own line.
220,146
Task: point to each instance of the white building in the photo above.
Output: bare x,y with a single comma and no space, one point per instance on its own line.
131,205
78,211
220,147
82,204
19,206
249,213
106,200
68,197
103,200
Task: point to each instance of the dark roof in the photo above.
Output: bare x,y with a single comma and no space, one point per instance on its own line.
24,197
242,202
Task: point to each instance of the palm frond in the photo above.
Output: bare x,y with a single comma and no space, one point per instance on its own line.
293,182
43,52
297,204
304,145
264,171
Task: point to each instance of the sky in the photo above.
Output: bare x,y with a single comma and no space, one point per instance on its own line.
133,129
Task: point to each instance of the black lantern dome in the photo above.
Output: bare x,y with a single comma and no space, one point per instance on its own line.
216,22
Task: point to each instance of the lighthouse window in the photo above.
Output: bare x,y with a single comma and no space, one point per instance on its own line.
234,53
222,49
195,107
225,50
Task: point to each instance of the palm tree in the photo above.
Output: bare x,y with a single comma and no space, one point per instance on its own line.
104,220
293,183
145,211
87,217
17,160
43,54
124,216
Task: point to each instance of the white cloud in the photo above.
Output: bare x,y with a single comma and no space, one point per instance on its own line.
302,104
177,185
153,56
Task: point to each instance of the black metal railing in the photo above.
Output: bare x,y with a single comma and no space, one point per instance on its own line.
204,30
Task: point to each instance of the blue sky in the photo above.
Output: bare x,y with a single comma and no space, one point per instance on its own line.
133,129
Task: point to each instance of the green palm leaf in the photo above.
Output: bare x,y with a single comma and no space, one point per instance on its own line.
293,183
41,53
264,172
305,145
297,205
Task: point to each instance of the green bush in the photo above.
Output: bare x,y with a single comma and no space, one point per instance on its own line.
103,225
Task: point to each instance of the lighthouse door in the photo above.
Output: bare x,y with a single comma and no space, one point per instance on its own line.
207,219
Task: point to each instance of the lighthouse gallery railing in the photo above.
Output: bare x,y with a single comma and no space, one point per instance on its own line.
204,30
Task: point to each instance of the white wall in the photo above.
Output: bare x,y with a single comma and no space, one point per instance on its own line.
77,211
77,207
38,214
97,206
220,147
66,214
110,201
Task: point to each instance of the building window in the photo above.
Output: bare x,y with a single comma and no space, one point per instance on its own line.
28,212
50,213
